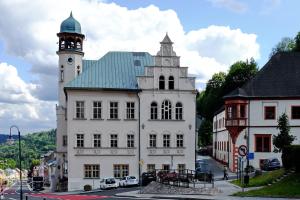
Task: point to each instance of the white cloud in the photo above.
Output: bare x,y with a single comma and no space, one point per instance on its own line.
18,106
233,5
28,30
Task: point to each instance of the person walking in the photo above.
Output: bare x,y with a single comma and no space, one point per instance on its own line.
225,173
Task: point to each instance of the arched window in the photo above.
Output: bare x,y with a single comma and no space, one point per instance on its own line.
166,110
78,70
78,44
62,44
178,111
171,83
153,110
161,82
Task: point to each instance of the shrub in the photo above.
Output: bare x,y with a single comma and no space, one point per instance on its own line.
87,188
290,156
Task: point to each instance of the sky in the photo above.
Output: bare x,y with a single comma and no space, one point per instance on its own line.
208,35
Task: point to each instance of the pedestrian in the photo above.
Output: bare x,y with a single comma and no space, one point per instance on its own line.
225,173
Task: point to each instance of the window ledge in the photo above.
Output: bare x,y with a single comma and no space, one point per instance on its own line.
114,119
166,147
96,119
168,120
79,118
130,119
91,178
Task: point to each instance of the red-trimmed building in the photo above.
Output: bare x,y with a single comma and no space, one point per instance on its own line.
249,115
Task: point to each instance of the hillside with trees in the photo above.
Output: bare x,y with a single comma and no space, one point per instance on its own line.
33,145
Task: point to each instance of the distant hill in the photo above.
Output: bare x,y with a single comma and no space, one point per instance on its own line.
33,145
4,137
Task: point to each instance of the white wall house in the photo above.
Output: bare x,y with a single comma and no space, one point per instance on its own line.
124,114
251,112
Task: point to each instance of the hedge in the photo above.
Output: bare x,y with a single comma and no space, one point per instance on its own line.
290,157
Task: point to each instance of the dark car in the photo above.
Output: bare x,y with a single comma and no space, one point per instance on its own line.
202,172
270,164
148,177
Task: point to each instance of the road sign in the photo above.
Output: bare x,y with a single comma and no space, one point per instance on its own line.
250,156
243,150
141,162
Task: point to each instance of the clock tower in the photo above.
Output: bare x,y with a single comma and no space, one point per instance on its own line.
70,53
69,67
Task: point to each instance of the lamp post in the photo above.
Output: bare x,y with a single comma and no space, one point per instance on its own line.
20,159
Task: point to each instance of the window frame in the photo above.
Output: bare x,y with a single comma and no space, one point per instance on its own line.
179,141
65,140
113,110
113,141
130,110
153,110
79,109
292,116
97,110
150,167
166,110
269,136
266,117
181,168
123,170
91,171
153,141
130,140
97,141
179,111
166,140
79,140
171,82
161,83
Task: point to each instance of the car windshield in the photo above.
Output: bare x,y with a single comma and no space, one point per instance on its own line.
110,181
275,160
131,177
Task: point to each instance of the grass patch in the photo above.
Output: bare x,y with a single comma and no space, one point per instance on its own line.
288,187
262,180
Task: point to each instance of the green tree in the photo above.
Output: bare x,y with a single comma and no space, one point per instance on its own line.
285,45
297,42
205,133
283,138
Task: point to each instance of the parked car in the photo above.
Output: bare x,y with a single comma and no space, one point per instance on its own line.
37,183
128,181
202,172
107,183
270,164
148,177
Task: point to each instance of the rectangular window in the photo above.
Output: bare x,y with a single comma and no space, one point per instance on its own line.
121,170
130,141
150,167
270,112
179,140
80,140
91,171
65,140
130,110
97,140
80,109
166,168
262,143
181,168
114,140
61,75
166,140
242,111
295,112
113,110
152,141
97,108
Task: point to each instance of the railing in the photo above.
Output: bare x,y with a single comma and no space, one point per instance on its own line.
236,122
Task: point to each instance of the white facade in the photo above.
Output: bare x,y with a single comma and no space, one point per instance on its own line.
258,126
122,144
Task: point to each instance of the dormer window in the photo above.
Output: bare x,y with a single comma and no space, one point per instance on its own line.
161,82
171,83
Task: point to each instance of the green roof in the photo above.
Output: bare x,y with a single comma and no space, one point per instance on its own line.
70,25
115,70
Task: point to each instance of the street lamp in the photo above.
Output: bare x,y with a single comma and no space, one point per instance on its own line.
11,140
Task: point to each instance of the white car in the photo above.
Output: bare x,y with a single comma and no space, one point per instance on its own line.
107,183
128,181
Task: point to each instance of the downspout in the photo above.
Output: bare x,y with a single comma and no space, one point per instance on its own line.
139,133
248,135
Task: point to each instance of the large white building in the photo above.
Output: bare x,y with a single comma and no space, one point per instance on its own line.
123,114
250,113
